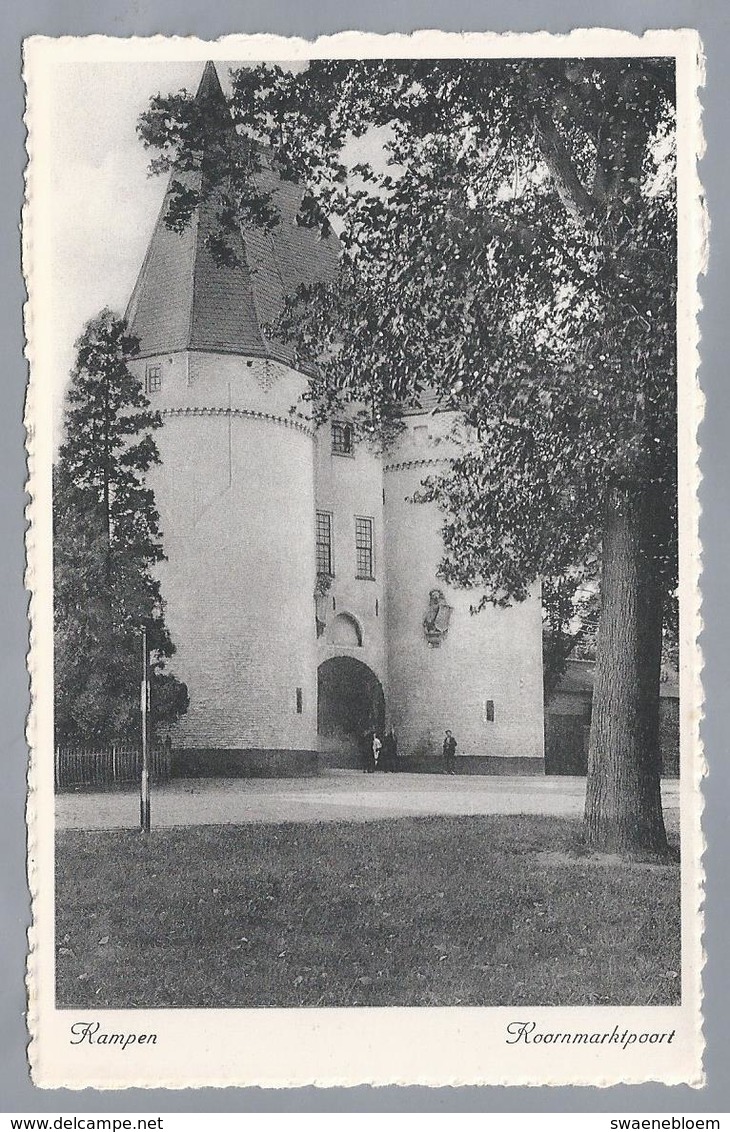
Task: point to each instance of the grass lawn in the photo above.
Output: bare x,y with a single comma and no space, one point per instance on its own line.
442,911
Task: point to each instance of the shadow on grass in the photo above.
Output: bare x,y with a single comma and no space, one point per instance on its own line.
439,911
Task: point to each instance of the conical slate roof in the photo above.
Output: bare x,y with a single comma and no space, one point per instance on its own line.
184,300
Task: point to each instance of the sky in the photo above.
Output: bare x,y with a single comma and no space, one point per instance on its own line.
99,204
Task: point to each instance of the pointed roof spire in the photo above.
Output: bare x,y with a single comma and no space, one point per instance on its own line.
210,85
184,300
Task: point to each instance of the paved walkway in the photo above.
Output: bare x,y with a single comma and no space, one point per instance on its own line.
338,795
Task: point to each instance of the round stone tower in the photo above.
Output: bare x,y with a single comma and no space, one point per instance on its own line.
480,675
235,489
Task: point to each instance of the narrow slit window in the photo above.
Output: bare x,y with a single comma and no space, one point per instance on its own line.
300,701
364,548
324,543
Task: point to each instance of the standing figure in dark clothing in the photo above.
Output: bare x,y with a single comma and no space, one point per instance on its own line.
390,750
449,753
366,751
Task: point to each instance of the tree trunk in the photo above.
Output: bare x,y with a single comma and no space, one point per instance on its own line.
623,812
106,501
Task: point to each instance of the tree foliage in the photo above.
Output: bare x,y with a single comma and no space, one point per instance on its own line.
510,244
106,542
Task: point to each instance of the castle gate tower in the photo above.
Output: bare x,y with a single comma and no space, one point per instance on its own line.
235,488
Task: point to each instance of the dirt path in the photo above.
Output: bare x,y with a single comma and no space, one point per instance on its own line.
340,795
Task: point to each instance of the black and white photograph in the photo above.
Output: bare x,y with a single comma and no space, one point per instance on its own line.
364,560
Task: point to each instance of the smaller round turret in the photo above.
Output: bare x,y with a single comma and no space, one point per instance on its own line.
480,675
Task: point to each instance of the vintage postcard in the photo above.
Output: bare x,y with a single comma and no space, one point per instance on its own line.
363,558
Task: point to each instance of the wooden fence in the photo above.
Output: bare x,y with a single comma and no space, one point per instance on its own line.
109,766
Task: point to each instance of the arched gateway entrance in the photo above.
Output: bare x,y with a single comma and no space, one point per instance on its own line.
350,702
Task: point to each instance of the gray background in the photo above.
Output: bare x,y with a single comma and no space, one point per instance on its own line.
190,17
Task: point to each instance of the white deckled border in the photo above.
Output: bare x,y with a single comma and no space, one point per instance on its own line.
290,1048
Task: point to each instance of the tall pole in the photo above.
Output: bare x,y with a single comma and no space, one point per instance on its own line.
144,793
230,439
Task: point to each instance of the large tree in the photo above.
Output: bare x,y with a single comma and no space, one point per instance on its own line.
512,244
106,542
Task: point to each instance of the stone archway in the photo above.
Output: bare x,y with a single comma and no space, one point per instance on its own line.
350,702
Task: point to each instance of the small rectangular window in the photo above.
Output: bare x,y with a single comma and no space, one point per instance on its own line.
324,543
490,711
364,548
153,379
299,701
342,439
